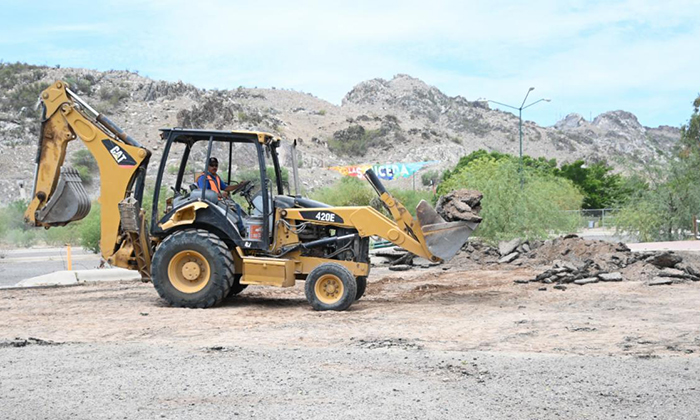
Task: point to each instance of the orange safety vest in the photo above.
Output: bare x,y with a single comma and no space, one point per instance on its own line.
214,184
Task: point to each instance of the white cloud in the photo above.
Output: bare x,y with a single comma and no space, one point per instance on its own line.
587,55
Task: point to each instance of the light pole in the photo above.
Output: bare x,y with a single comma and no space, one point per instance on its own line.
520,125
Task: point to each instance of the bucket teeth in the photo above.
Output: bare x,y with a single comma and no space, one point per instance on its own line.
69,201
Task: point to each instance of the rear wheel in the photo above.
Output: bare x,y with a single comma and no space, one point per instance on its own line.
330,287
193,269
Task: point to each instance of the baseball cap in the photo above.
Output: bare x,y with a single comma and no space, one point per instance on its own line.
213,162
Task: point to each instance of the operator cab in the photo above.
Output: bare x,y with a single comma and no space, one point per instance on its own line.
245,214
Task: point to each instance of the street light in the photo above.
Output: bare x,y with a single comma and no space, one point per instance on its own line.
520,125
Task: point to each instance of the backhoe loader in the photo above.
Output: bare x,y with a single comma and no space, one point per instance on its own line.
202,246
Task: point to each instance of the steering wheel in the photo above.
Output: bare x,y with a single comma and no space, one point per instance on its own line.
244,188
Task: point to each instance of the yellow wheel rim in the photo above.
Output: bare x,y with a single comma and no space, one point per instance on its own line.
189,271
329,289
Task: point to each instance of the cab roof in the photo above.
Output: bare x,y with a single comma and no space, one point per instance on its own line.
186,135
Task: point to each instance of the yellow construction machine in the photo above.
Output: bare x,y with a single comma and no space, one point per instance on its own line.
202,246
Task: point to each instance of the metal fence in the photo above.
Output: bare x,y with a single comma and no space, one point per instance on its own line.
597,218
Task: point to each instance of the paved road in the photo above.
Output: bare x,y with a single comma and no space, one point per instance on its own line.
20,264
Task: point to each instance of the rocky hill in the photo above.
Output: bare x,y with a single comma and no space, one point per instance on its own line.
378,121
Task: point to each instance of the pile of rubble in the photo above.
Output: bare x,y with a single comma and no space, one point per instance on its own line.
564,260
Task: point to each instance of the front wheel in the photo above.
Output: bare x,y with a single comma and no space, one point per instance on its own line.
193,269
330,287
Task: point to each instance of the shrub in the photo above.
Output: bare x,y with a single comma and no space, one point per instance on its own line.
85,164
431,177
89,229
111,99
83,157
25,97
348,191
14,231
356,140
535,211
80,85
410,198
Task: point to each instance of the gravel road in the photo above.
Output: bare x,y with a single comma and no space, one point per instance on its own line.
421,344
140,381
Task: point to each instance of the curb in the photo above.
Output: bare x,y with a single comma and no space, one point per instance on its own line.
71,278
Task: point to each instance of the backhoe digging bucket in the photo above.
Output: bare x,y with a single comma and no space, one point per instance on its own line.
444,239
69,201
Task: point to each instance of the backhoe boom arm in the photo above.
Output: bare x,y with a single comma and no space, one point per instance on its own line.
58,197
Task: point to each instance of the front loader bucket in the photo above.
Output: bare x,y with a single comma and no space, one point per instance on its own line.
68,202
444,239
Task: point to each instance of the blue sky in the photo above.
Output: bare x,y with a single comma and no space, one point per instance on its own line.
587,56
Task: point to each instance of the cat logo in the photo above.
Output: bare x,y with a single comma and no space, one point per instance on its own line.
120,155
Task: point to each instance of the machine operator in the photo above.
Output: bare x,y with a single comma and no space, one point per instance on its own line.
213,182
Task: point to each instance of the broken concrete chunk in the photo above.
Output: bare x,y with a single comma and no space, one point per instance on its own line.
610,276
461,205
665,259
660,281
672,272
506,248
400,267
544,275
621,247
588,280
566,265
508,258
566,278
526,247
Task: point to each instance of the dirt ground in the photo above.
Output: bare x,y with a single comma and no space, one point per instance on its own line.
421,343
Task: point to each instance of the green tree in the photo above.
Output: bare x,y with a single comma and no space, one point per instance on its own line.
509,211
600,187
540,164
665,211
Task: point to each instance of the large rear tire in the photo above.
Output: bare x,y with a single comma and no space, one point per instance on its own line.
193,269
330,287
